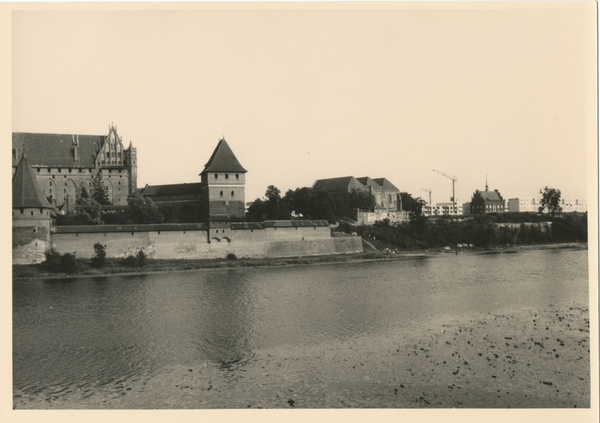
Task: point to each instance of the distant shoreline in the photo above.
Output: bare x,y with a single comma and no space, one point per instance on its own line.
115,268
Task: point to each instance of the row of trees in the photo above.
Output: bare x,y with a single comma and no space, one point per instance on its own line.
481,231
310,204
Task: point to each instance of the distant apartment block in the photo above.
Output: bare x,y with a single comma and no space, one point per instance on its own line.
441,209
532,205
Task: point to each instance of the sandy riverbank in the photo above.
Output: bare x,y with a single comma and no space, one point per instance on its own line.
517,359
115,268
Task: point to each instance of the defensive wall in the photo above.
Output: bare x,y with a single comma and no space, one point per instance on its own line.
30,235
205,241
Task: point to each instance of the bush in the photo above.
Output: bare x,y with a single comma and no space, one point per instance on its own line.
139,260
67,263
52,262
100,260
130,261
231,256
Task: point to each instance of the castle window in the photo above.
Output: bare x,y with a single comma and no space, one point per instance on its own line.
65,184
50,191
49,169
39,170
109,170
21,211
32,213
70,170
80,170
41,211
227,176
221,193
232,193
119,170
216,176
59,170
34,230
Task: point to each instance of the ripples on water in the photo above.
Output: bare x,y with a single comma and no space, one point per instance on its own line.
79,334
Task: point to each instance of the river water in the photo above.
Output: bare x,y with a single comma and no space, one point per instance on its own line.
92,334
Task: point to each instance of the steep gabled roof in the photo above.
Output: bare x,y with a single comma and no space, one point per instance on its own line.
56,150
25,190
333,184
223,160
364,180
491,195
385,184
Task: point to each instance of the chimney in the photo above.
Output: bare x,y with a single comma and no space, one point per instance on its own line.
76,148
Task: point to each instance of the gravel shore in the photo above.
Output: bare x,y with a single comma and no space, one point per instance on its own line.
519,359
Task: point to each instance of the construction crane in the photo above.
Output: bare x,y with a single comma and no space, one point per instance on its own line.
429,191
453,181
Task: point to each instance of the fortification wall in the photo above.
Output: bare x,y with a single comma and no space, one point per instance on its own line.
193,243
30,236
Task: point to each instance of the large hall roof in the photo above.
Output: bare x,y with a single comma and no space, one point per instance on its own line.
56,150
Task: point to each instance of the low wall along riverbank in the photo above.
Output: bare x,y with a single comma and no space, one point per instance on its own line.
199,241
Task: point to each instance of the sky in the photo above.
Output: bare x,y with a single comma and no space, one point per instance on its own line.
392,91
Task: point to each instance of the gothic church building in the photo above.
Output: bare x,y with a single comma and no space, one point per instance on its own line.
62,163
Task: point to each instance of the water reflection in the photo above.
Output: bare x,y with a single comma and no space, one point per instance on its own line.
225,323
83,333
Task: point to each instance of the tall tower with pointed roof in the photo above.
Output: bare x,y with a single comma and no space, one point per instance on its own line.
223,183
31,217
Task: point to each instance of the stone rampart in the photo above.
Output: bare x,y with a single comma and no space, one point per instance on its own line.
199,241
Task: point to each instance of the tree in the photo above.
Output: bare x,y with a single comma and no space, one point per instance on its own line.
256,211
414,207
550,201
362,200
99,191
299,201
100,259
143,210
83,192
87,212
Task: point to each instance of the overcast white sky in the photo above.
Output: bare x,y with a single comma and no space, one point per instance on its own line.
309,94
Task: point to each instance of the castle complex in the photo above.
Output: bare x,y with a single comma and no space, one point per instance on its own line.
50,169
62,164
